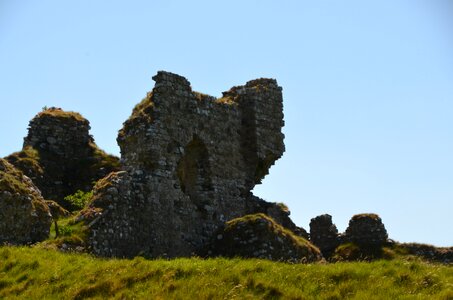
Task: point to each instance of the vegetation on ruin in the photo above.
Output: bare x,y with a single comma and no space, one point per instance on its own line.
278,229
33,273
362,216
72,234
11,179
144,106
95,164
97,161
143,109
27,159
105,182
83,178
228,100
79,199
355,252
59,113
283,207
202,97
141,112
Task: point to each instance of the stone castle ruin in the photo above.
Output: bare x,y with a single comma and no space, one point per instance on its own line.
190,162
183,184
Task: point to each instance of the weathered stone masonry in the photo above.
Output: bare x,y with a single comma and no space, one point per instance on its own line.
190,163
60,155
24,215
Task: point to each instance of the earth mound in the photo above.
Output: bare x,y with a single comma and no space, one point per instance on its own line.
259,236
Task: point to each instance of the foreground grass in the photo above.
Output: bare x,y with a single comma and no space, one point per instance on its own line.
30,273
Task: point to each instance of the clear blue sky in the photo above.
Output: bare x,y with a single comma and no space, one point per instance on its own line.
368,89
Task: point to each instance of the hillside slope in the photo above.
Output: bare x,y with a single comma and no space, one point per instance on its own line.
31,273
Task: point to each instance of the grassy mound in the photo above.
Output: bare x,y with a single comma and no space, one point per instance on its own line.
259,236
30,273
356,252
392,250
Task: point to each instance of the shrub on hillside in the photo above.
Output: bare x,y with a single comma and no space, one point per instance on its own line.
79,199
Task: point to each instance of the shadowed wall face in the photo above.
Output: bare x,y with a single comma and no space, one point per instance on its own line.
193,172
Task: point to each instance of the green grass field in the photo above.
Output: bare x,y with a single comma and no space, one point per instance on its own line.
33,273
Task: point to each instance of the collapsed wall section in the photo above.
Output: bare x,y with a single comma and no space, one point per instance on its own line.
24,215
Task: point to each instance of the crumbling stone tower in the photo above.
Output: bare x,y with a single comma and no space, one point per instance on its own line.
190,162
60,155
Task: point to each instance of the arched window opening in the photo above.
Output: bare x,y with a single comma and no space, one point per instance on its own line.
194,172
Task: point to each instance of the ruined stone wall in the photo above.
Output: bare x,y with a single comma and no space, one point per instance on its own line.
324,234
59,133
191,161
366,229
60,155
24,215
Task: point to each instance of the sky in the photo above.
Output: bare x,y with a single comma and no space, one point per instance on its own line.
367,88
